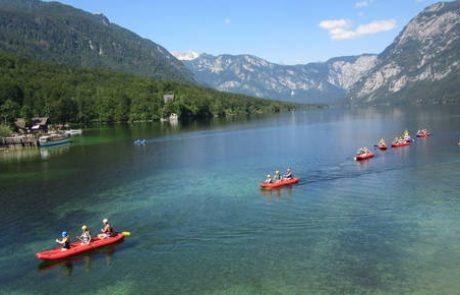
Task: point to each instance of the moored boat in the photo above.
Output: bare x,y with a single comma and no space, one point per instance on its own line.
73,132
78,247
53,139
279,183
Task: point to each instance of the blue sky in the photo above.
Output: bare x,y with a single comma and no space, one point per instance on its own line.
289,31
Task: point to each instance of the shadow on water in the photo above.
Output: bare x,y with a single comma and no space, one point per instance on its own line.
277,193
84,260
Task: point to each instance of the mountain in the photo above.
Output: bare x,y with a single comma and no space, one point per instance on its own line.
421,65
58,33
314,82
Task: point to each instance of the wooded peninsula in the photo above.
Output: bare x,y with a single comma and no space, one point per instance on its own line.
69,94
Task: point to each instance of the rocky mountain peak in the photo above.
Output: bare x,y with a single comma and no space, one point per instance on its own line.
424,57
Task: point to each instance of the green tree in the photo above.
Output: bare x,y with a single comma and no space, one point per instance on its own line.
26,114
9,110
5,130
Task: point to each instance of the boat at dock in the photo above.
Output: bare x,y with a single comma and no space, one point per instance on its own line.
73,132
53,139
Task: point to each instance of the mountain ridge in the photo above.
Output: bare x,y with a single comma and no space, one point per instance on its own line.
421,65
317,82
59,33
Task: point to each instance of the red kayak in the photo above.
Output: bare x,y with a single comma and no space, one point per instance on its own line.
397,145
423,134
364,156
279,183
77,247
382,147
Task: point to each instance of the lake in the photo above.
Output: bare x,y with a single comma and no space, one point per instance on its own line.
201,225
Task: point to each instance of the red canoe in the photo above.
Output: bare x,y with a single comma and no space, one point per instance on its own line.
396,145
423,134
364,156
279,183
382,147
77,247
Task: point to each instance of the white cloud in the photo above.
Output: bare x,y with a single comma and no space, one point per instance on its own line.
363,3
334,23
340,29
227,21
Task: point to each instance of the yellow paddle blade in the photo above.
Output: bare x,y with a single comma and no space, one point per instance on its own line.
126,233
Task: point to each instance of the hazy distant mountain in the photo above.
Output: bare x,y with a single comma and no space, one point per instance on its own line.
59,33
422,65
314,82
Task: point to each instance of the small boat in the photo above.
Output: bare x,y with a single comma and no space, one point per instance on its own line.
397,145
382,147
279,183
73,132
423,134
78,247
364,156
139,142
53,139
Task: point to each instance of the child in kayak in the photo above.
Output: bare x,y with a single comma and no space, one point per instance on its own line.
382,141
65,241
85,236
107,230
288,174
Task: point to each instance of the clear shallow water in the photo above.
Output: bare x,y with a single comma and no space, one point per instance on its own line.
200,224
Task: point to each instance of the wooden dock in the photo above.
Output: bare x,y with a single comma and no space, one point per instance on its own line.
21,141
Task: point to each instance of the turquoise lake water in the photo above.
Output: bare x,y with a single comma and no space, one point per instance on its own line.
201,225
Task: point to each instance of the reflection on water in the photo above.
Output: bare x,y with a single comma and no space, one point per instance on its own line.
278,192
27,154
52,151
18,155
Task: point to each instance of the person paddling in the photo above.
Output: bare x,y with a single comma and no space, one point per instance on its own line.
65,241
277,176
288,174
85,236
268,179
107,229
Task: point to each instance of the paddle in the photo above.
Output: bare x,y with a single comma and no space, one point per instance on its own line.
125,233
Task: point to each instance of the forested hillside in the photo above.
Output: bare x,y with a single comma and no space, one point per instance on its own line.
67,94
58,33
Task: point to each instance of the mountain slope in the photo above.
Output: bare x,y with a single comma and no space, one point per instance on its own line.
422,65
314,82
59,33
68,94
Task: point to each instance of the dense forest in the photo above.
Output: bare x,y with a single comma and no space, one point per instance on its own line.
66,94
61,34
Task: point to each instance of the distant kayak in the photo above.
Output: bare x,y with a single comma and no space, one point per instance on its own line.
423,134
364,156
382,147
77,247
279,183
396,145
139,141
